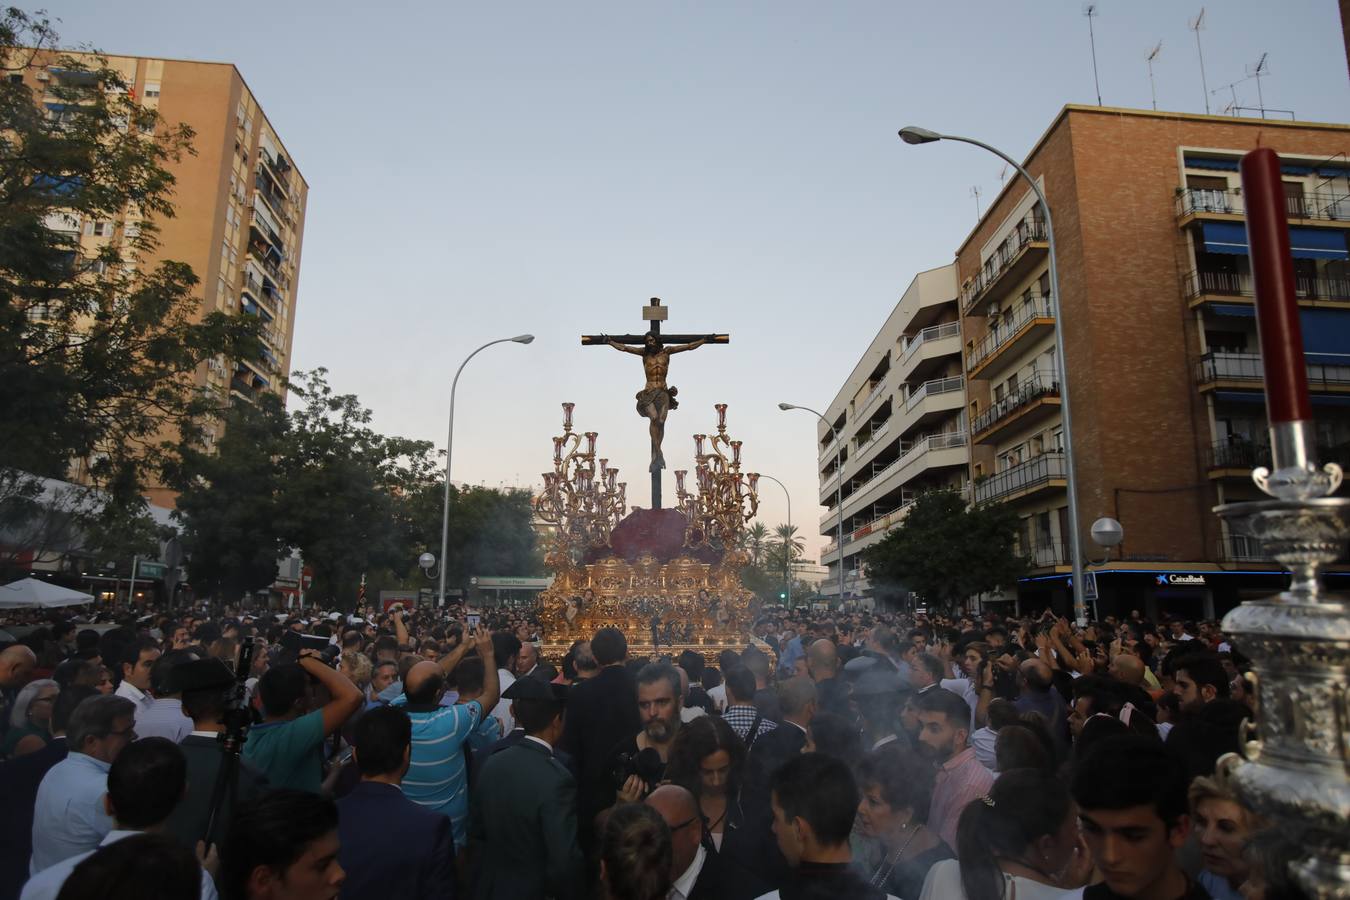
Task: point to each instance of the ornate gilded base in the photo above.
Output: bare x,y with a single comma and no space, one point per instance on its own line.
1297,770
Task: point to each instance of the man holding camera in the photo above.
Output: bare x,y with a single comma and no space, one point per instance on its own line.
659,703
288,746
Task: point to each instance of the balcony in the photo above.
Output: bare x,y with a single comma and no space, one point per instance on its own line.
1238,454
933,388
1034,318
929,346
878,391
1201,286
1027,245
1243,370
877,432
1049,554
1241,548
1312,205
1035,400
1049,470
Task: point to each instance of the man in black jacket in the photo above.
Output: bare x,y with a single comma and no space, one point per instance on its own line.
391,846
602,712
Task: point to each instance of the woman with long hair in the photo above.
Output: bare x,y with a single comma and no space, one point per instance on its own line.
707,759
896,847
1019,841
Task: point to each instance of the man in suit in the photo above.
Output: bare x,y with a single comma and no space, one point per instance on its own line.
699,873
522,816
602,712
391,846
19,780
529,665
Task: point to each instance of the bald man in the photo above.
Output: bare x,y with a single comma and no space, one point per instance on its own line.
438,778
822,665
16,670
1128,669
698,873
1037,694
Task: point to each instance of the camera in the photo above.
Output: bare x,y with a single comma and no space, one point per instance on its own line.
645,764
294,642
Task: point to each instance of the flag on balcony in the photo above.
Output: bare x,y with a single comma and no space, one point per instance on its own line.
361,591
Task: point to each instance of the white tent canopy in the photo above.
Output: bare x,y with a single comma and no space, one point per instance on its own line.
30,592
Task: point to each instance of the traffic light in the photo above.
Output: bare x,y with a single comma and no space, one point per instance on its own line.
782,595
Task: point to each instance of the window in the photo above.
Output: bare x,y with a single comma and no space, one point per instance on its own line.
100,229
1293,199
998,393
1043,284
16,79
1012,383
152,89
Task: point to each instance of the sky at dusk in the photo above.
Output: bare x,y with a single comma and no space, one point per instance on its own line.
481,170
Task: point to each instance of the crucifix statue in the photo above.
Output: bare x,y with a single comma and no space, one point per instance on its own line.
657,398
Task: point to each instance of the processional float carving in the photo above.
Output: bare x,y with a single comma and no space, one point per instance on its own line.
1296,770
668,578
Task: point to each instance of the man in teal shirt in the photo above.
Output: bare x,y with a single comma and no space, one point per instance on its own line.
288,746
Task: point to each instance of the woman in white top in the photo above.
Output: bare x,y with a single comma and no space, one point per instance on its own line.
1019,842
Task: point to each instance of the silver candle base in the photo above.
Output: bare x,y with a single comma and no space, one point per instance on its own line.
1296,770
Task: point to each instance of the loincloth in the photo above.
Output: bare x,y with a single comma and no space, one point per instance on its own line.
657,397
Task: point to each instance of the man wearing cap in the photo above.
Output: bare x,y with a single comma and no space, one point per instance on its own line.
524,811
205,685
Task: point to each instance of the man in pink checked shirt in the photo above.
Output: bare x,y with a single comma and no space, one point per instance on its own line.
944,732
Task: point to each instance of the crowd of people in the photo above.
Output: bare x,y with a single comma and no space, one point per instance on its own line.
435,753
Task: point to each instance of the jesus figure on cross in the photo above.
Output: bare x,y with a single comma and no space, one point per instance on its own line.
657,398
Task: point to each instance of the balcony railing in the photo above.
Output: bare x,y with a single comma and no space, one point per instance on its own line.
1032,473
929,334
1029,230
1033,389
1049,553
877,391
1310,205
1247,367
1241,548
872,436
909,451
1239,284
1238,453
1037,306
935,386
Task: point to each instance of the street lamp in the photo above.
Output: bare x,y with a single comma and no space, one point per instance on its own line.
912,134
449,445
787,545
839,489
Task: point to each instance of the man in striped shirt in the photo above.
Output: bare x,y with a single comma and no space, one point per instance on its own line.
740,713
437,776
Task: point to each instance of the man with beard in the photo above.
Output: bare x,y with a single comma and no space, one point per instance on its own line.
944,732
659,704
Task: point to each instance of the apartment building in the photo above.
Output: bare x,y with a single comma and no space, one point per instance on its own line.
1163,367
897,427
240,205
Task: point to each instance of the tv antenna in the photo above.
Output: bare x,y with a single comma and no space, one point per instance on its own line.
1256,72
1196,25
1003,174
1152,86
975,192
1231,87
1090,11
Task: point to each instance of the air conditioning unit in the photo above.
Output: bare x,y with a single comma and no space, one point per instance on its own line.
43,75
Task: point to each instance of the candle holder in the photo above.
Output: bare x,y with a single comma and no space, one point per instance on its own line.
1296,770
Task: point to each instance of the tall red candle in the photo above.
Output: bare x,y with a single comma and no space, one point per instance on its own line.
1273,275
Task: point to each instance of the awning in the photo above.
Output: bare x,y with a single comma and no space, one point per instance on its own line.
1209,162
1304,243
1233,309
1230,164
1225,237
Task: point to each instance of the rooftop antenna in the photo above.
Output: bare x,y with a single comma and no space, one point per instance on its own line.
1003,174
1090,10
1152,86
975,192
1196,24
1231,88
1256,72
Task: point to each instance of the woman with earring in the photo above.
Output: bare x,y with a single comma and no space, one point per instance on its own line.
1019,841
895,846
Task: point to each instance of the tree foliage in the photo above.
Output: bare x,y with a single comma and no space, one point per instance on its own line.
97,347
945,552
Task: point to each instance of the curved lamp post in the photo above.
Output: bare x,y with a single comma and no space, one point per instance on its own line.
449,445
839,489
787,547
912,134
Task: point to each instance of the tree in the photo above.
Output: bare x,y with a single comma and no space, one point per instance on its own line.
337,501
756,539
787,537
945,552
229,501
97,352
